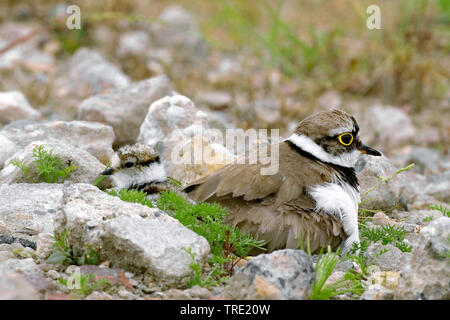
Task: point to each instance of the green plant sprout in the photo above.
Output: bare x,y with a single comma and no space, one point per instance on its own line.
85,284
62,253
48,166
443,209
324,267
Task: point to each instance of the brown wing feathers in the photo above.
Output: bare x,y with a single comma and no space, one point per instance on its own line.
276,208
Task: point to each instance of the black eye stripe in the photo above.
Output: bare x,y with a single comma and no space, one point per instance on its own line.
146,163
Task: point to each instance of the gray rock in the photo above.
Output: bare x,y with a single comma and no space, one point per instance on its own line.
104,37
19,124
438,186
160,245
330,100
95,138
282,274
427,275
428,160
88,168
13,286
13,247
130,235
416,217
30,272
125,108
413,185
44,245
194,293
175,127
14,106
29,208
377,292
226,70
388,196
5,255
267,111
389,126
88,73
8,148
25,266
96,295
178,29
344,265
215,100
135,43
409,227
393,259
25,55
381,219
53,274
437,233
167,115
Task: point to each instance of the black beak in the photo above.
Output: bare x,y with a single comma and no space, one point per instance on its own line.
108,172
368,150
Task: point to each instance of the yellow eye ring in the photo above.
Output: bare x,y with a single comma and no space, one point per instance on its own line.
346,138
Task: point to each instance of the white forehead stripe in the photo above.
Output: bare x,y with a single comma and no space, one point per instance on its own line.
347,159
340,130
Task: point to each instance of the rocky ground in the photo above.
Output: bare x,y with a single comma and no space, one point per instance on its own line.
134,82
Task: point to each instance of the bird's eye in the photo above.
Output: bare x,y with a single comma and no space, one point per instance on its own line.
129,164
346,139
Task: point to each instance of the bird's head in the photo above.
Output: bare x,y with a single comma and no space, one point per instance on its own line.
331,136
134,165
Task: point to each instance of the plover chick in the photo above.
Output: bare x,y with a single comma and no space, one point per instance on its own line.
138,166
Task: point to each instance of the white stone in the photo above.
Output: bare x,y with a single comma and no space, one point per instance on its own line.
133,43
89,73
124,109
174,127
129,235
96,138
390,126
6,150
14,106
29,207
13,286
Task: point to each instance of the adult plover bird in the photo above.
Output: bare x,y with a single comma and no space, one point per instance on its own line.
138,167
314,195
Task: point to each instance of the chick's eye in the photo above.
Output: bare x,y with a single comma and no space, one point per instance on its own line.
346,139
129,164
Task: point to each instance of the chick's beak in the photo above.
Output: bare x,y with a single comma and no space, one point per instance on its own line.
368,150
108,172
